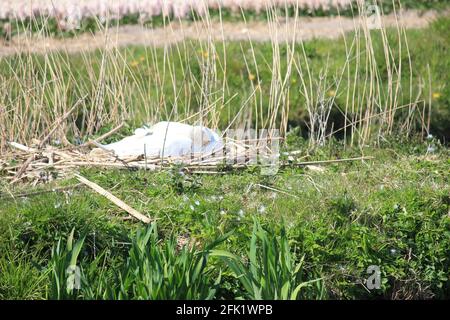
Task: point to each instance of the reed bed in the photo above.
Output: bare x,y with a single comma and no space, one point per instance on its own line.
63,107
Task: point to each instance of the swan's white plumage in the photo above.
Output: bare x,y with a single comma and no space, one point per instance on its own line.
169,139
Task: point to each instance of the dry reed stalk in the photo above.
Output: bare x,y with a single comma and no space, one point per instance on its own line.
22,169
113,199
104,136
333,161
22,147
37,193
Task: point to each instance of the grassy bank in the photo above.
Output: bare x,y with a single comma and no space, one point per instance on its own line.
392,211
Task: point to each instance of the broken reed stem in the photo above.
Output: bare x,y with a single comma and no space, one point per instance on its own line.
331,161
113,199
59,122
276,190
139,165
102,137
36,193
23,168
21,147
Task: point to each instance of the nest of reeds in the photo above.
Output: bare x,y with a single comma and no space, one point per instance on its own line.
40,164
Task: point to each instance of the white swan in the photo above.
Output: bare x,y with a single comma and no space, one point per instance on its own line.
168,139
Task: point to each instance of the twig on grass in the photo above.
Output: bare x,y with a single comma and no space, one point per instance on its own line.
329,161
113,199
275,190
36,193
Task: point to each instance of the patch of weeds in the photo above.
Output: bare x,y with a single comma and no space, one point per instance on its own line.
181,182
22,277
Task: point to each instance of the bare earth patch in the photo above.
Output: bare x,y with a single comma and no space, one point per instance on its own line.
304,29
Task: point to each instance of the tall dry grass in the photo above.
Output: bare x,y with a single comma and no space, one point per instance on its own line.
31,108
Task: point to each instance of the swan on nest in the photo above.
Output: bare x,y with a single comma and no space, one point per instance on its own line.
168,139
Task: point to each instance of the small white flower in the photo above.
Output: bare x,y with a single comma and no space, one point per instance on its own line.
192,207
261,209
223,212
241,213
393,251
197,203
430,136
431,149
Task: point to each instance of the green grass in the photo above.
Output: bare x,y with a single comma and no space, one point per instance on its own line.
392,211
272,270
151,271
